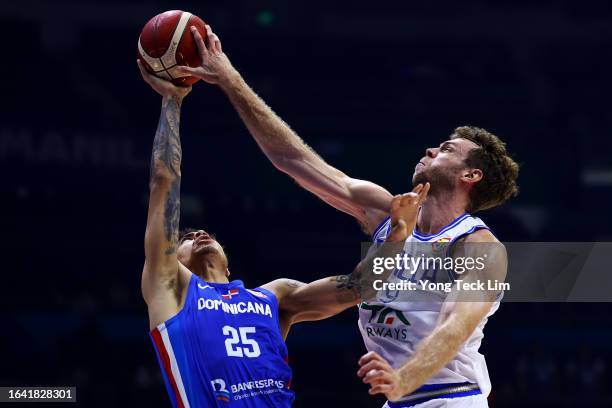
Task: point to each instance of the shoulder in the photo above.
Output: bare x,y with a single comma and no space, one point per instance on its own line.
481,235
486,242
482,243
283,287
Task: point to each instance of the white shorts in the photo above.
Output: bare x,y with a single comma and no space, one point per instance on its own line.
470,401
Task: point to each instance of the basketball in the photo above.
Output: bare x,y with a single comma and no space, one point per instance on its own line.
166,42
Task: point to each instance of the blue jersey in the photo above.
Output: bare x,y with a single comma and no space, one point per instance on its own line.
224,349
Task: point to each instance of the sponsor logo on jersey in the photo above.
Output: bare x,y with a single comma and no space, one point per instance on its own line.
204,286
245,389
258,384
384,314
381,322
219,390
397,333
230,293
235,308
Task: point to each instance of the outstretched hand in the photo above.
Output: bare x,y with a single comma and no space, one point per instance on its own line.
162,86
383,379
404,211
215,67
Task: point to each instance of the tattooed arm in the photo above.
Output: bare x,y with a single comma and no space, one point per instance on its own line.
326,297
163,278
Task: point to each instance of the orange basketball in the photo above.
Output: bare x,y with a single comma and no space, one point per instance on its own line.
166,42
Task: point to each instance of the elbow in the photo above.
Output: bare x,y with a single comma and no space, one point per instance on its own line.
286,164
457,330
365,284
281,162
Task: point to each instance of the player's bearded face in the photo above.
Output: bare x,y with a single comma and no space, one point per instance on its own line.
443,178
442,166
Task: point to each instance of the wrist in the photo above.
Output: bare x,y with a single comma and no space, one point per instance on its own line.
404,382
172,98
228,78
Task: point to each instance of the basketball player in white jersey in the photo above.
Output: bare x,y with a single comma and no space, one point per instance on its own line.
431,357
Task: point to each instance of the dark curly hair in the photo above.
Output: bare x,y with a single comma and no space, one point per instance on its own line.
500,172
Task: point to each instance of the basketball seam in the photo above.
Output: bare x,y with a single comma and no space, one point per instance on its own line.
170,53
169,56
166,69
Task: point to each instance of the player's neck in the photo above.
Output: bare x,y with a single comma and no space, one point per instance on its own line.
438,211
211,271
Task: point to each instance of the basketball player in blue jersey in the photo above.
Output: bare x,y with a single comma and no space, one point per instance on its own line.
219,343
432,360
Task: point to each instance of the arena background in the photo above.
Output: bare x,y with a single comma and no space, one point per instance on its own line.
369,85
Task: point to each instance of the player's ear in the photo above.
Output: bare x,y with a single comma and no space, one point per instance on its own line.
227,272
472,176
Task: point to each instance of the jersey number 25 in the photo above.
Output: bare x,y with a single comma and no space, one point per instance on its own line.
236,345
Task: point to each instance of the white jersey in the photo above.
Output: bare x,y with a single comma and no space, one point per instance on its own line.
395,323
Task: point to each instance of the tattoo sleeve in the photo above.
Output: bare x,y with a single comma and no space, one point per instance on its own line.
294,284
359,285
166,160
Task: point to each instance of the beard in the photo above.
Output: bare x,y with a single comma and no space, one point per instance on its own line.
440,179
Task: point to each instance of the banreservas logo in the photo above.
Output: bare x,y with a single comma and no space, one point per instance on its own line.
245,389
219,389
258,384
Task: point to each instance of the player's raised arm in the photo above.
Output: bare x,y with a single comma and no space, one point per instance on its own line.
461,313
366,201
161,278
329,296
